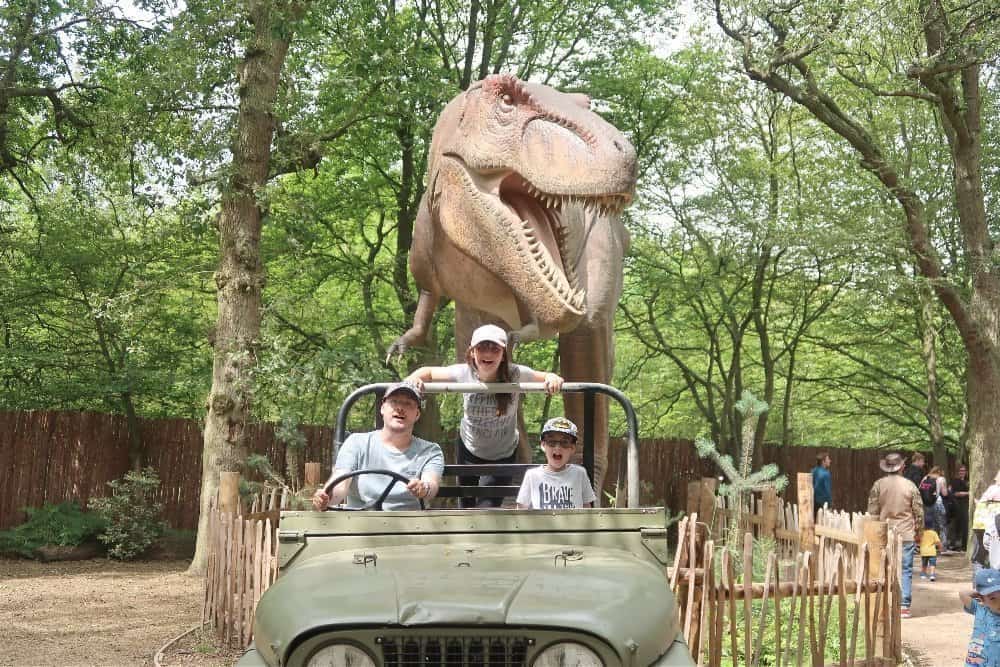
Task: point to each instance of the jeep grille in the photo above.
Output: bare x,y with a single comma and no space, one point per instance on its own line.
437,651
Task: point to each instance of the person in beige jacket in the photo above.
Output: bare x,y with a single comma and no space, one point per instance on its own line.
896,500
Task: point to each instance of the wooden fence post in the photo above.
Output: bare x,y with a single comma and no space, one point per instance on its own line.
313,475
877,537
229,493
693,494
807,525
769,522
706,502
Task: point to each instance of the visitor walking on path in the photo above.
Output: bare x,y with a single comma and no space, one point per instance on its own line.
930,547
934,499
895,500
958,491
822,482
915,471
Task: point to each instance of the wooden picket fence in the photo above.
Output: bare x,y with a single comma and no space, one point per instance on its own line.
242,564
793,623
774,593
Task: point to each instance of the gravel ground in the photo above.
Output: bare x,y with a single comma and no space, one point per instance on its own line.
102,613
938,634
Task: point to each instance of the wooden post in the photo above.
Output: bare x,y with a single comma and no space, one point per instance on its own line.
313,475
697,533
229,493
693,495
877,537
706,501
769,521
807,527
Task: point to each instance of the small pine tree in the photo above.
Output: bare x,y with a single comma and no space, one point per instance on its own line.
741,481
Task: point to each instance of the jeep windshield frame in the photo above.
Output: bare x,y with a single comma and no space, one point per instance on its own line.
588,389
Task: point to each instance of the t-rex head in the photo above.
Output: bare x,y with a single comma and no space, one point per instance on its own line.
512,164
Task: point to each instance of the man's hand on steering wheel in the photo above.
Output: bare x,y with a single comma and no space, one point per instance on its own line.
320,499
418,488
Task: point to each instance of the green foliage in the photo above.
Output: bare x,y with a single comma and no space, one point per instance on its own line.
790,635
131,514
296,498
65,524
741,480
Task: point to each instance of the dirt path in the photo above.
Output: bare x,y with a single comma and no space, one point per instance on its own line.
94,612
939,631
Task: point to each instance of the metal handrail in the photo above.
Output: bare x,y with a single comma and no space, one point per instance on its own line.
632,421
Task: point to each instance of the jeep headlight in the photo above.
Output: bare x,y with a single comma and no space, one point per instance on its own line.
567,654
340,655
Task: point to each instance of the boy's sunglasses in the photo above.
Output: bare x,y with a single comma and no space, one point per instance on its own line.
565,444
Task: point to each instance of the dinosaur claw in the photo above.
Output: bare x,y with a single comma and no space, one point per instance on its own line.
397,350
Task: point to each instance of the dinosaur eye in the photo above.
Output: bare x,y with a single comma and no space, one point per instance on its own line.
507,100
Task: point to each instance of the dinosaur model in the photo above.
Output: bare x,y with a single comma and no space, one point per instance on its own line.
520,226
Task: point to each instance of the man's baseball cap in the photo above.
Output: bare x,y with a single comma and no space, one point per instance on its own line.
987,581
406,388
560,425
489,333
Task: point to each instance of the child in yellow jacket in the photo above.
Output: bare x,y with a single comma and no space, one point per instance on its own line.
930,543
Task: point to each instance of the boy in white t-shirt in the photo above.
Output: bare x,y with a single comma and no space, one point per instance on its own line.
558,484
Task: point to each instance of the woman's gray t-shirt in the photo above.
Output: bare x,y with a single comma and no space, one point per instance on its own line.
365,450
484,433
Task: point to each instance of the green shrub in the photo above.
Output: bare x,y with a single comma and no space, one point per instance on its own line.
65,524
132,517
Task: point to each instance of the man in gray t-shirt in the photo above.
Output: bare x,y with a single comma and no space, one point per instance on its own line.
393,447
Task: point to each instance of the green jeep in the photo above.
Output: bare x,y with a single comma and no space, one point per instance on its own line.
448,587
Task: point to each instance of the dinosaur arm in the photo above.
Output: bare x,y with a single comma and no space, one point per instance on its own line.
416,335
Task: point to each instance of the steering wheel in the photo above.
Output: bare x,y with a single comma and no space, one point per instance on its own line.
377,503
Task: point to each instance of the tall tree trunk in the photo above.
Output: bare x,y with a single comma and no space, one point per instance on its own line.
983,397
240,278
928,335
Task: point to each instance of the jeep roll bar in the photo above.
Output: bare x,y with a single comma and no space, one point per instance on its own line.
589,390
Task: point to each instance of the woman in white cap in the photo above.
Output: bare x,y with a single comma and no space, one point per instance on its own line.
488,432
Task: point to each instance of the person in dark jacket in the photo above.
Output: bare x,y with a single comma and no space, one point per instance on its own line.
822,482
959,494
915,471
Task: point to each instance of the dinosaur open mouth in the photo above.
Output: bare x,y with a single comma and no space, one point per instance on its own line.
548,234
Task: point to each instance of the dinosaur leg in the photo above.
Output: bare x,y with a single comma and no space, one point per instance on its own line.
586,355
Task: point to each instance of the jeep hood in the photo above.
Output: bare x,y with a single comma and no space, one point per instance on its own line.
607,593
